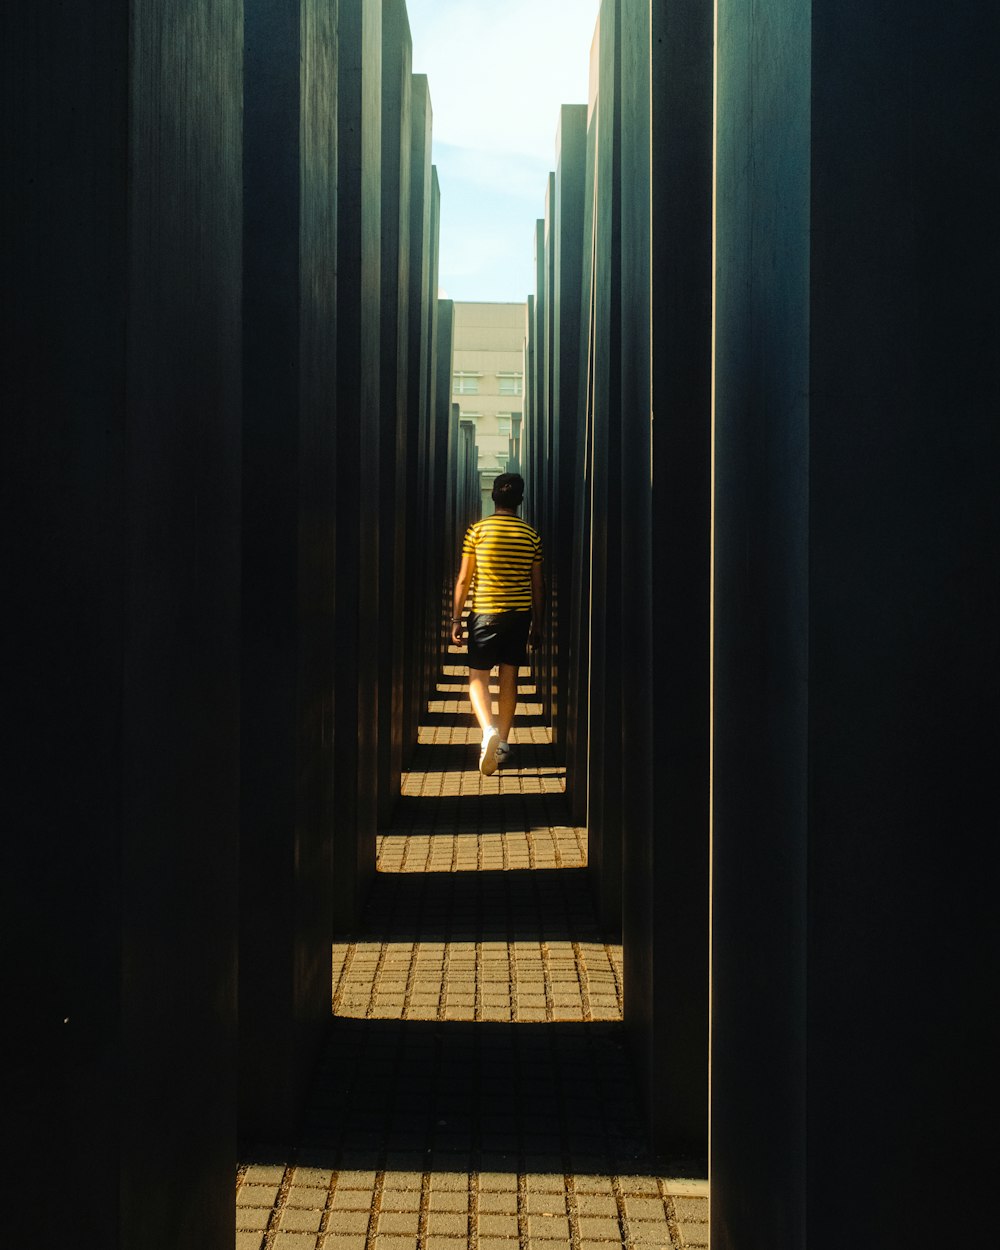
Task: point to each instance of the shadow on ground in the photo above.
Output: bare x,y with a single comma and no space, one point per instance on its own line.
541,904
477,1097
475,813
474,1097
460,757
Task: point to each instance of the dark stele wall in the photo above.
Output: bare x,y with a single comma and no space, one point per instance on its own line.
122,291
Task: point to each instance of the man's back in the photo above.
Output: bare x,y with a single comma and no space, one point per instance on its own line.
505,548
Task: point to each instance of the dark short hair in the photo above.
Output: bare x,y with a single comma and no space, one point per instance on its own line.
508,490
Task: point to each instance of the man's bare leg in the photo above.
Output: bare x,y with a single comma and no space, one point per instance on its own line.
508,699
480,697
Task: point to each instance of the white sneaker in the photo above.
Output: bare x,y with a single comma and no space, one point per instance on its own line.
503,754
488,754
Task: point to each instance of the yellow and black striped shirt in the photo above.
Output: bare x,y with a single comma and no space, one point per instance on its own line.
505,548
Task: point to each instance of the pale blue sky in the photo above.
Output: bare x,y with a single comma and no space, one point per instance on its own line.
498,71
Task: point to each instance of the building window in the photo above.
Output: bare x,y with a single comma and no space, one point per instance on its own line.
503,422
466,383
510,383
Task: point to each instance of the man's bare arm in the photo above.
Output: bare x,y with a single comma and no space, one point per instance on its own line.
537,604
462,584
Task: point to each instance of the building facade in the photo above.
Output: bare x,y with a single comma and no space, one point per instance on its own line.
488,384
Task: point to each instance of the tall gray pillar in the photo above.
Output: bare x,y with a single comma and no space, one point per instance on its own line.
856,619
604,816
567,246
537,419
289,549
548,470
394,610
530,402
665,549
578,658
359,303
470,506
437,487
424,508
447,418
121,430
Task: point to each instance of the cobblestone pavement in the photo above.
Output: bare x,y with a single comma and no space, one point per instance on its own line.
475,1091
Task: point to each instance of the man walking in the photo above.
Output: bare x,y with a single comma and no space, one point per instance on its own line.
502,565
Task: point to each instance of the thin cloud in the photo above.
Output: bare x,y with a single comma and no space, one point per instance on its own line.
498,73
502,173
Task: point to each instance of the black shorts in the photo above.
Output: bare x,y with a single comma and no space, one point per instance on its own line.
498,638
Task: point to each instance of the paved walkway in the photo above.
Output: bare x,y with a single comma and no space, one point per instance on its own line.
475,1091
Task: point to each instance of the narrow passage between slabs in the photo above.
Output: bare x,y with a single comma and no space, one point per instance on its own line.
475,1091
